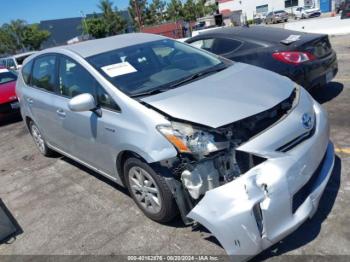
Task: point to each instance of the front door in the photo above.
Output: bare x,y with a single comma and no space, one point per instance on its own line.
85,132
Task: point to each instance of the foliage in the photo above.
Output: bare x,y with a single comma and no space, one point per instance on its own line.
18,36
107,24
158,11
33,37
190,10
175,10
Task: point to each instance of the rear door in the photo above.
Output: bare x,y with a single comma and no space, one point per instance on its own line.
39,97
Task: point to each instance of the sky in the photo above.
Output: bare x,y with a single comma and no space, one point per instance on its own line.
33,11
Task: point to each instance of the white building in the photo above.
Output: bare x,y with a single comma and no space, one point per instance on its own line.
232,9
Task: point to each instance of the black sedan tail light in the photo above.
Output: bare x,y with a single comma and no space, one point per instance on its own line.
293,57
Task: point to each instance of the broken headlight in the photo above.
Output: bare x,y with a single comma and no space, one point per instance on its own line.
189,139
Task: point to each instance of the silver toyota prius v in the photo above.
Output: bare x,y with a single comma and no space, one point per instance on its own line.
239,149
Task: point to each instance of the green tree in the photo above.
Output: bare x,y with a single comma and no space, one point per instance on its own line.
156,12
203,9
7,41
18,36
190,11
16,29
175,10
96,27
33,37
107,24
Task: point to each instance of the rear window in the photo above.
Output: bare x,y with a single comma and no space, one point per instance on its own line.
279,12
6,77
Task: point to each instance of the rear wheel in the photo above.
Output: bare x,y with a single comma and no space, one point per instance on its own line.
39,140
149,191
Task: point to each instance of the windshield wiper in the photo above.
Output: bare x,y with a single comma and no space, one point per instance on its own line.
180,82
150,92
197,75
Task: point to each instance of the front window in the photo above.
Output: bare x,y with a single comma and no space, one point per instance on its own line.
153,66
7,77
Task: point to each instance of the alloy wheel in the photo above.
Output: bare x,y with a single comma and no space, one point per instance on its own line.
38,139
145,189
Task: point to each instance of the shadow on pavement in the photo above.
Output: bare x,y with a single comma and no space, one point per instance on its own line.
312,227
327,92
96,175
177,222
9,227
9,119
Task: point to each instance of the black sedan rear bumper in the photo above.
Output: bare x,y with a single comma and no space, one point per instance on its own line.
315,73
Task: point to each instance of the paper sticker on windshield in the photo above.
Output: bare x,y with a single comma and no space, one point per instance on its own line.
290,39
119,69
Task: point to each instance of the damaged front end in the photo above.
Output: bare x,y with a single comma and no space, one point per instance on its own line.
208,157
244,197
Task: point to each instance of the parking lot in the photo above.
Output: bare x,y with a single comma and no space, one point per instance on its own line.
64,208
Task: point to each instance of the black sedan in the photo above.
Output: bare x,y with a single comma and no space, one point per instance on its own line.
307,59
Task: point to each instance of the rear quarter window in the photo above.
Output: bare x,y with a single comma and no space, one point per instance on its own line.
225,45
26,72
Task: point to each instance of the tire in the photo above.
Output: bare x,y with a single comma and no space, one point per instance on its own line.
39,140
167,209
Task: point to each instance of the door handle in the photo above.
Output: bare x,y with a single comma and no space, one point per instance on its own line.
61,113
30,100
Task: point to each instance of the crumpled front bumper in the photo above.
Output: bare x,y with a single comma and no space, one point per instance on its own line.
255,211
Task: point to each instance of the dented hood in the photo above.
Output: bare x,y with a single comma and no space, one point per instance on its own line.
235,93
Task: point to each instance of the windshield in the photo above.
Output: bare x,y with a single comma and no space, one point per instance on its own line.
153,66
7,77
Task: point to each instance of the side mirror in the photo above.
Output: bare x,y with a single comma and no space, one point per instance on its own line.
82,103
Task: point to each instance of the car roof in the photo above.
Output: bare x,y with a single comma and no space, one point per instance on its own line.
18,55
24,54
98,46
256,33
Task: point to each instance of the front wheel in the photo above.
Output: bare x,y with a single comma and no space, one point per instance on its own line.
149,191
